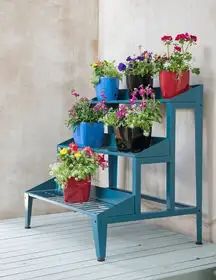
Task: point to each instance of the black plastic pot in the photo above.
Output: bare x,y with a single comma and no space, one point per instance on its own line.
134,81
131,139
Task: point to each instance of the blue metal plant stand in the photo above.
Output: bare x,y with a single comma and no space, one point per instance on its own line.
112,205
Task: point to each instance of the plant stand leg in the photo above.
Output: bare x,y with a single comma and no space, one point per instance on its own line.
198,157
113,165
28,210
100,236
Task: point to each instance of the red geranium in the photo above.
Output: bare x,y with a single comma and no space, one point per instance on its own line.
102,162
177,48
89,151
166,38
193,38
73,147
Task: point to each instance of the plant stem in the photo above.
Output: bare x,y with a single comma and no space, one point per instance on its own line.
168,54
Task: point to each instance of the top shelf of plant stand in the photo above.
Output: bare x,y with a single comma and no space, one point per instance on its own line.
193,95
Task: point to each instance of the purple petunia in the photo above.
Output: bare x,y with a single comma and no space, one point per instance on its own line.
121,66
140,58
128,58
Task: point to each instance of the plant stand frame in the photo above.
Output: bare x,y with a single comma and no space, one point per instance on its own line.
113,205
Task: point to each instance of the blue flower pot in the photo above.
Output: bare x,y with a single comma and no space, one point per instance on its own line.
107,87
89,134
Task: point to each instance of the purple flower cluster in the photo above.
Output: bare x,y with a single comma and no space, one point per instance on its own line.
122,111
146,92
129,60
100,106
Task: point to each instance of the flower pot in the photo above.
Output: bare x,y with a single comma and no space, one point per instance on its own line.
134,81
107,89
131,139
89,134
172,83
77,191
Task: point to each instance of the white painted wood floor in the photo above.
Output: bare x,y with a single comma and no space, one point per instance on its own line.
60,246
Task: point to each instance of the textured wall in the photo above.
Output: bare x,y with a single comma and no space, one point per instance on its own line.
125,24
46,48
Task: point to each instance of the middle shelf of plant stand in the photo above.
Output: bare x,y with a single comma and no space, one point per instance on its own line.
157,152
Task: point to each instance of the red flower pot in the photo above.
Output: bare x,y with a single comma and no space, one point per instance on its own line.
77,191
172,83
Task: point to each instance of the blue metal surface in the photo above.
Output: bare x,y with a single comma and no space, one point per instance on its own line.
111,205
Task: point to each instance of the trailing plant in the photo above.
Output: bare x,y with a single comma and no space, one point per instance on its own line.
80,164
141,65
84,111
139,114
104,68
178,57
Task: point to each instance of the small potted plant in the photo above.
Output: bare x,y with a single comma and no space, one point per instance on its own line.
174,67
73,171
105,78
138,70
133,123
84,120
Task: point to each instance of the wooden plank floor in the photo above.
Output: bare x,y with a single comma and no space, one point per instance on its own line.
60,246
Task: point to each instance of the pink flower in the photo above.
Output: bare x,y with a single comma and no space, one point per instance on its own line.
121,111
133,100
142,105
88,151
74,93
149,91
100,106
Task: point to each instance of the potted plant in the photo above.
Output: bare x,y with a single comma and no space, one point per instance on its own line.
73,171
133,123
174,67
84,120
138,70
105,78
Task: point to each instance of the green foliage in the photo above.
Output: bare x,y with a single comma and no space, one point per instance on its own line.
144,118
104,69
83,111
80,164
141,68
141,115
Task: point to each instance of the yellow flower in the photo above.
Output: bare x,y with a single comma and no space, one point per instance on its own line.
77,155
63,151
94,65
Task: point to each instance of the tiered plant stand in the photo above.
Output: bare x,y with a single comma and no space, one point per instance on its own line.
113,205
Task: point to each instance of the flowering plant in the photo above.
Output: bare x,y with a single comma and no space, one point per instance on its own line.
140,114
141,65
104,68
178,57
79,164
83,111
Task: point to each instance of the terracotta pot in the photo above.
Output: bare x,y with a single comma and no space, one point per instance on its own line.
77,191
131,139
172,83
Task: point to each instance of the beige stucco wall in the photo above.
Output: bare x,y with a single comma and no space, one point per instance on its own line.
46,48
125,24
